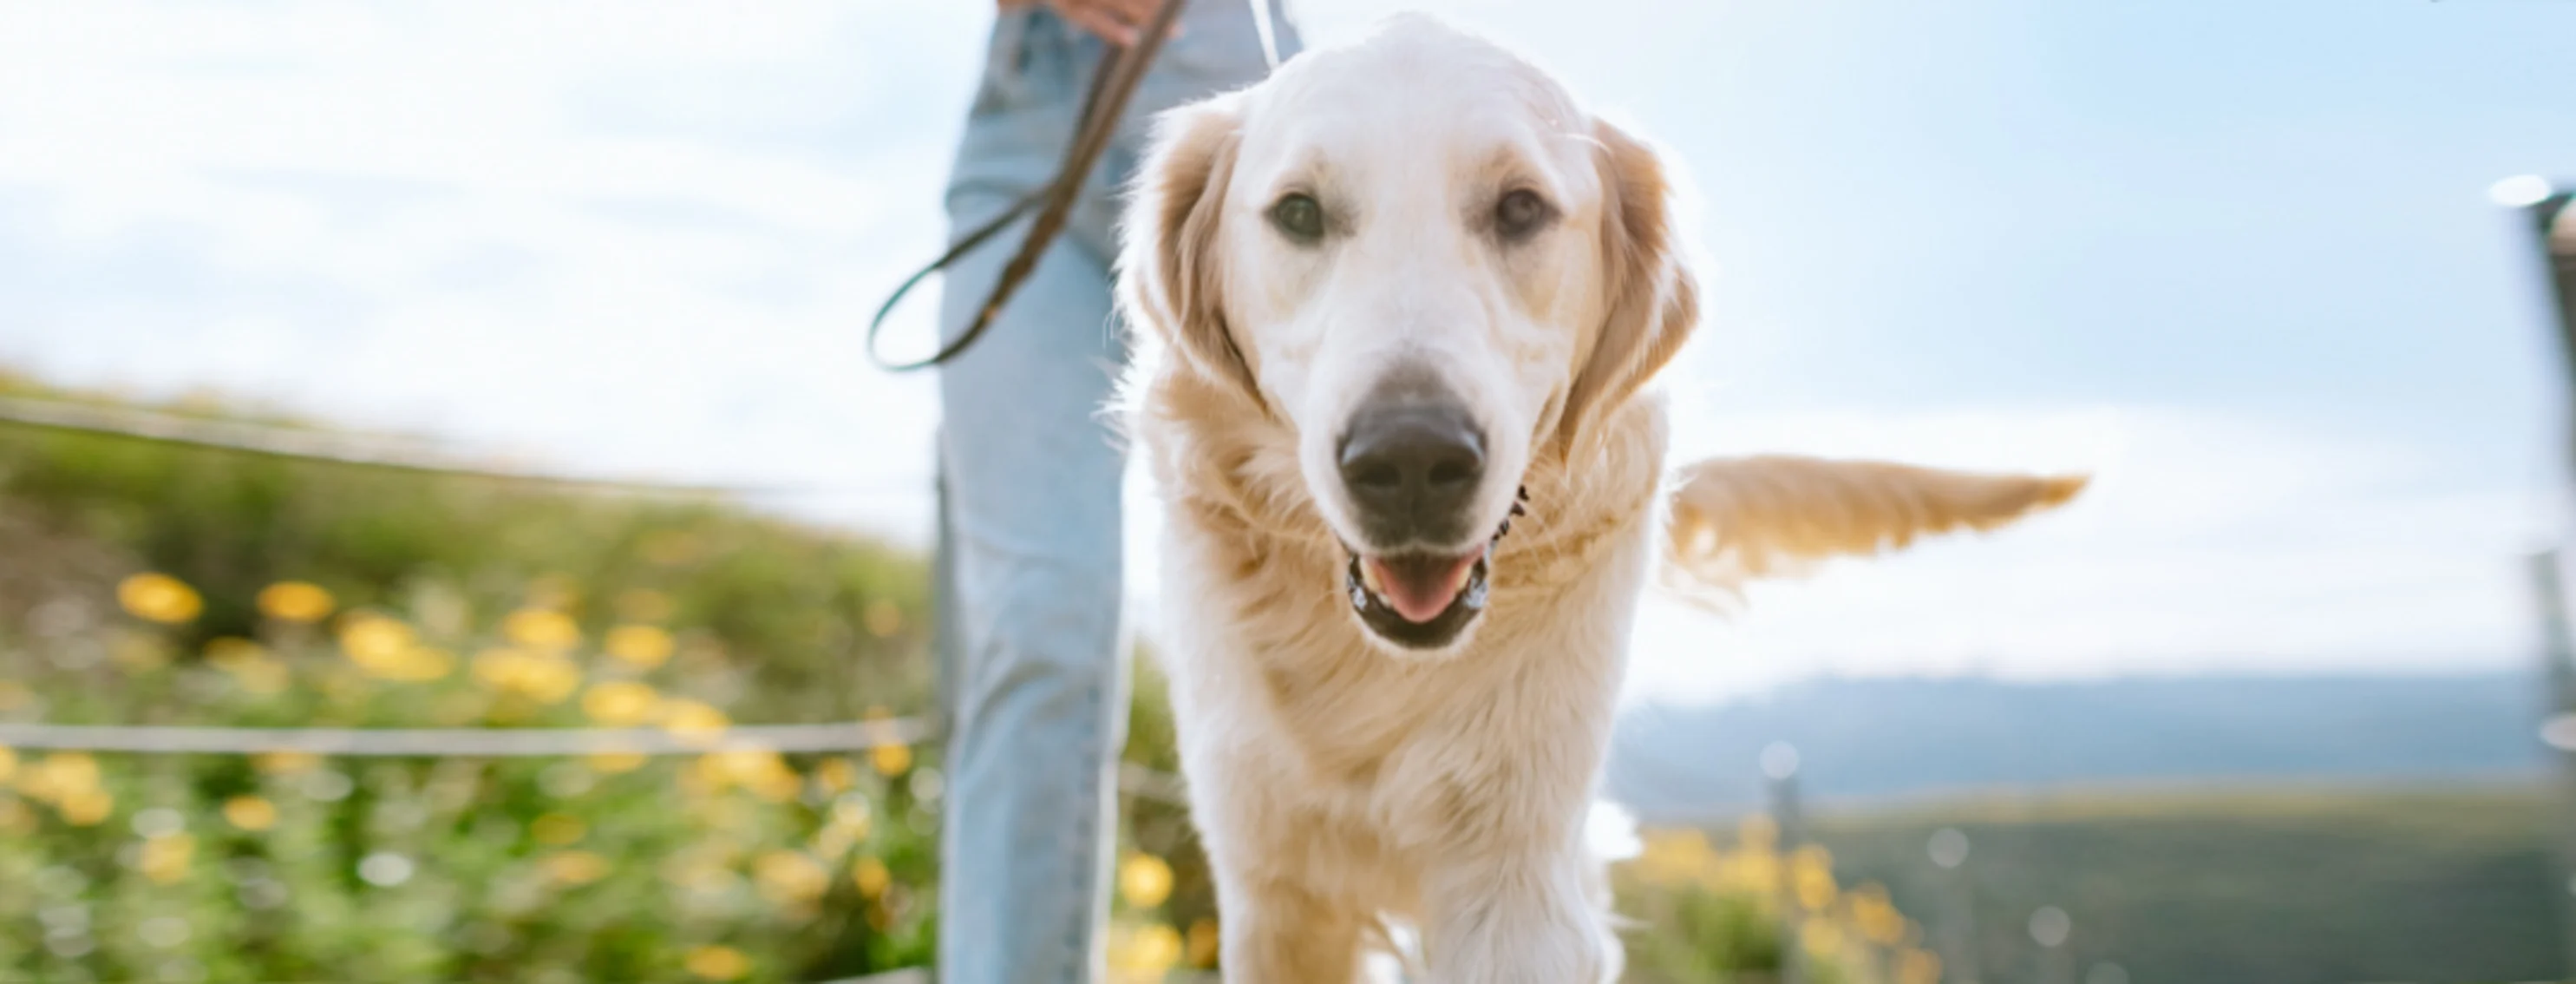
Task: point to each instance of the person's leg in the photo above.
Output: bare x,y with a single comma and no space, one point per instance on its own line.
1029,513
1038,705
1032,536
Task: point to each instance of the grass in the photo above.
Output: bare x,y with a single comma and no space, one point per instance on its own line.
148,583
2278,886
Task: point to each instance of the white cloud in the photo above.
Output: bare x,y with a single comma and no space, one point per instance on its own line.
2207,542
463,218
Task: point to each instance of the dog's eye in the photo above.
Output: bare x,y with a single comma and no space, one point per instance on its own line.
1520,213
1300,216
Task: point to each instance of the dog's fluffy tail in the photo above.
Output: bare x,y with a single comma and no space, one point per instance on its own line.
1738,519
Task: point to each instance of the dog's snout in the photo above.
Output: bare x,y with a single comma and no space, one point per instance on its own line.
1412,469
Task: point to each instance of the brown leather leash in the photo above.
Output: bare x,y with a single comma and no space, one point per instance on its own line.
1112,85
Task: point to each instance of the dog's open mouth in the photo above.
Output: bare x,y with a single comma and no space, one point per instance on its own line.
1424,600
1418,601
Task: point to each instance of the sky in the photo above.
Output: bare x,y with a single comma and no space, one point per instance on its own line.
2235,260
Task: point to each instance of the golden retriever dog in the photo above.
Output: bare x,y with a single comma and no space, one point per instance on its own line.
1399,305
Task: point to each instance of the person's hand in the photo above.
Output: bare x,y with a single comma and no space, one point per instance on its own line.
1118,22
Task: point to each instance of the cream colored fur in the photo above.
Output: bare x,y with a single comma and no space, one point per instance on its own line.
1337,780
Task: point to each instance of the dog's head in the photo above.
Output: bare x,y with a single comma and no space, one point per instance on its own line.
1419,256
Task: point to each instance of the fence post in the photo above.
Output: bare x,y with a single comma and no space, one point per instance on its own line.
2553,226
2558,671
1780,767
1949,850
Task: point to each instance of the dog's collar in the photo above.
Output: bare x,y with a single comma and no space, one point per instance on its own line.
1520,507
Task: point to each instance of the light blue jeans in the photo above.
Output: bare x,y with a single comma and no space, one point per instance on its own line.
1033,653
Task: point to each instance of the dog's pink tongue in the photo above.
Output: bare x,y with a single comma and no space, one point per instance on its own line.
1420,588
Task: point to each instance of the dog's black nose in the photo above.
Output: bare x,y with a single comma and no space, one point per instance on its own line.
1412,467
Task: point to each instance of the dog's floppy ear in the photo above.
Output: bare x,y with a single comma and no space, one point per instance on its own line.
1167,263
1651,298
1737,519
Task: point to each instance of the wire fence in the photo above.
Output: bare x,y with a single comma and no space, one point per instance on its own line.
842,736
849,736
376,452
429,458
426,458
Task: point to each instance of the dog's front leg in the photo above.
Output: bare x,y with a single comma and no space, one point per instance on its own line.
1278,933
1522,917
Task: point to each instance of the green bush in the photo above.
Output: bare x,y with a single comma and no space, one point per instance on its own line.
133,593
738,864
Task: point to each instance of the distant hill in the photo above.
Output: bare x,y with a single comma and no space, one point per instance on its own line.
1871,740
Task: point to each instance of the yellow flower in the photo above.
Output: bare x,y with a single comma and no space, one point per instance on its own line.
1875,916
836,775
226,652
1152,948
420,663
621,703
295,601
541,628
890,756
544,677
549,678
387,649
871,876
891,760
644,605
694,721
285,763
1144,880
368,637
789,878
1820,937
86,807
159,598
1203,942
251,813
884,618
1919,967
640,646
557,829
718,963
574,867
165,858
8,763
61,776
613,763
759,770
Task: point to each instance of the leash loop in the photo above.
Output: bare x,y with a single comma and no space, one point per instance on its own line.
1112,85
